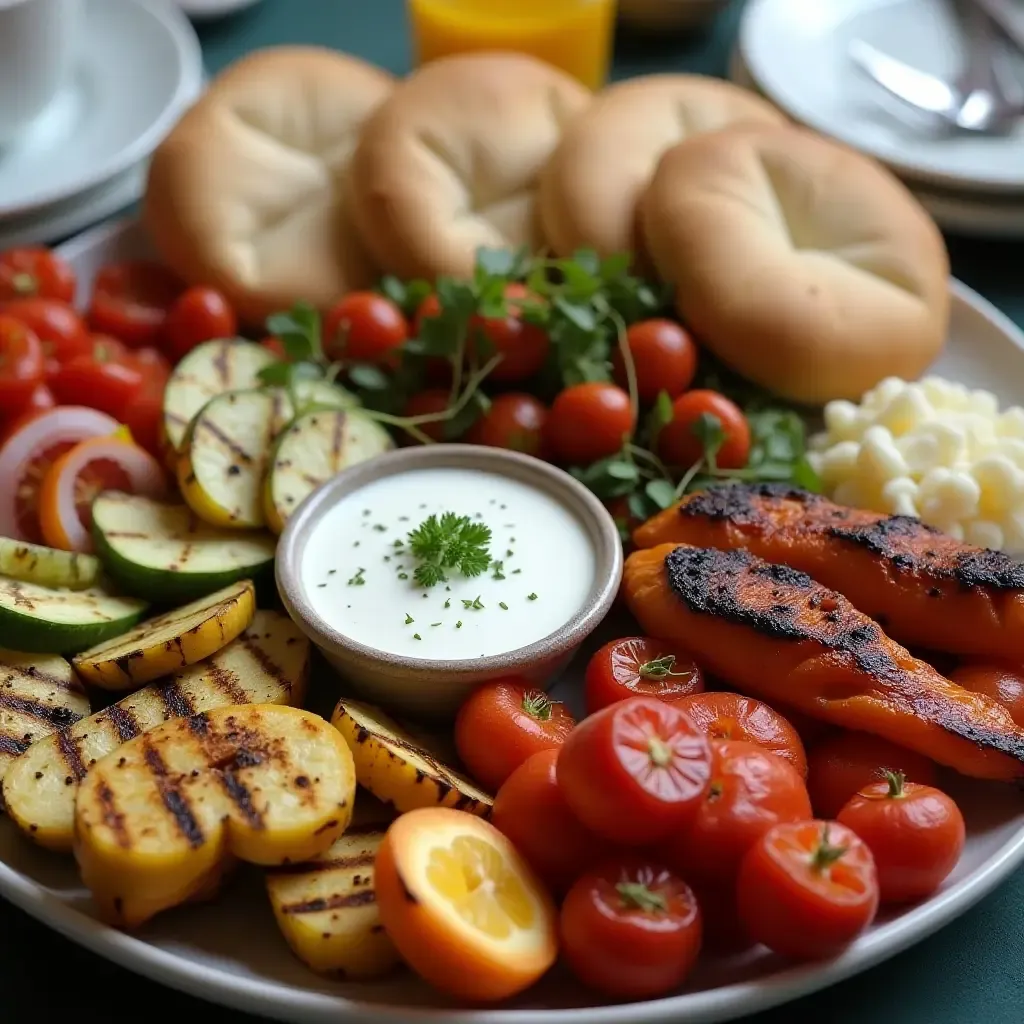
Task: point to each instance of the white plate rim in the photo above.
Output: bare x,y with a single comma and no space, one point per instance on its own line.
755,14
178,27
727,1002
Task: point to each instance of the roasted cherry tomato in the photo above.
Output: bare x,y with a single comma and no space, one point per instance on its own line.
636,771
35,273
845,763
915,833
531,811
1003,683
514,421
664,357
502,723
61,331
200,314
428,309
21,365
638,666
807,889
728,716
142,416
589,422
132,300
523,346
429,403
105,379
631,929
365,327
750,791
680,443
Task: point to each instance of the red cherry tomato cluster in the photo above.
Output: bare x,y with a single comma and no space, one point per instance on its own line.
673,818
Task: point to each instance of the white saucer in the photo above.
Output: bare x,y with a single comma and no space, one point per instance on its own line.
796,50
140,67
988,217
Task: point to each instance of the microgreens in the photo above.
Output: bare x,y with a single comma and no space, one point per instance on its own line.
451,542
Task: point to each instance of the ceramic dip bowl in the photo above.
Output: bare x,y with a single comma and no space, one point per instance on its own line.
350,572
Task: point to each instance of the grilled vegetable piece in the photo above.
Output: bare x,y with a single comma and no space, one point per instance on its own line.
164,552
400,768
156,647
43,620
207,371
49,567
773,632
311,450
38,695
156,819
927,588
267,664
327,908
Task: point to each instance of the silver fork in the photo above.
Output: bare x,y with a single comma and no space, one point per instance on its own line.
977,99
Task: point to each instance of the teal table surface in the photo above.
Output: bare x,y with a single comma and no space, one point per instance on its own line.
971,972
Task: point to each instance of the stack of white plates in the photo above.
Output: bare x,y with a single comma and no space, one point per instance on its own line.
795,52
139,68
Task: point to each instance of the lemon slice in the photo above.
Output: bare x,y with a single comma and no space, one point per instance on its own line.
462,907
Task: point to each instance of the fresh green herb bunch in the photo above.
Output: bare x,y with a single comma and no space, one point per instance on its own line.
449,542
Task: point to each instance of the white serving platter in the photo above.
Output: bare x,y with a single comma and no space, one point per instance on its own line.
230,952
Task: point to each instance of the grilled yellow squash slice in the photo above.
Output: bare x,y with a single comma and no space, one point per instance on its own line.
38,695
173,641
267,664
157,819
400,768
327,908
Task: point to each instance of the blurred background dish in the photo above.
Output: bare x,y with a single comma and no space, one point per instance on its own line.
656,15
204,10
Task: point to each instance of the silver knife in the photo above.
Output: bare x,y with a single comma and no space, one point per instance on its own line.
915,87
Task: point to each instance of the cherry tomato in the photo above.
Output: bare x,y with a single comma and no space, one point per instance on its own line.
35,273
39,401
679,443
1003,683
664,356
514,421
636,771
365,328
523,346
807,889
275,346
845,763
427,403
200,314
728,716
638,666
589,422
62,332
502,723
142,416
428,309
21,365
131,301
105,379
531,811
630,929
915,833
155,367
751,790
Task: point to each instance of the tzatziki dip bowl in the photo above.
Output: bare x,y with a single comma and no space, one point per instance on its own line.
426,571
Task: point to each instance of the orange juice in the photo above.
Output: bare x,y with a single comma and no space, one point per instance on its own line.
574,35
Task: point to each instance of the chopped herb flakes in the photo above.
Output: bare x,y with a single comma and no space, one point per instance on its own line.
357,580
531,597
409,619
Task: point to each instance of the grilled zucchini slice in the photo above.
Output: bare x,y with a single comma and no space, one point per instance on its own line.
49,567
165,553
169,642
327,908
38,695
400,768
207,371
267,664
157,818
314,447
43,620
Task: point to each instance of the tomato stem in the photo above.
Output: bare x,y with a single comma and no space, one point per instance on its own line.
896,781
659,752
826,854
637,896
660,668
538,705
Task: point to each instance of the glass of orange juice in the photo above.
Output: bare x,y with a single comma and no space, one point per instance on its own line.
575,35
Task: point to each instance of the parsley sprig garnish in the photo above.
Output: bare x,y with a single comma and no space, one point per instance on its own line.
451,542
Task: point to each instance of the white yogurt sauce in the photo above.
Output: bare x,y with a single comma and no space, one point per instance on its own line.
357,570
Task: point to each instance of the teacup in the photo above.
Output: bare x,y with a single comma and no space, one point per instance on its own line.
38,40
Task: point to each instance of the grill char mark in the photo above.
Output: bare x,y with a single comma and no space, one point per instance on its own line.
363,898
67,746
170,794
55,715
124,721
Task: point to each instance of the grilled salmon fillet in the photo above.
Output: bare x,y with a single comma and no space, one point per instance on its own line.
773,632
924,588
